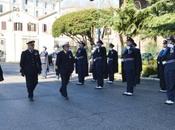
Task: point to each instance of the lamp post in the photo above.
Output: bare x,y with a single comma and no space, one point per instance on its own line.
99,6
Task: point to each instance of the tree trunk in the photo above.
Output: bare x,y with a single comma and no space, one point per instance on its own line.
121,41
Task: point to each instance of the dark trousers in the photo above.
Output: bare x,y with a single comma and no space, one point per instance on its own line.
94,75
99,77
81,77
64,82
170,82
162,78
31,83
130,79
110,73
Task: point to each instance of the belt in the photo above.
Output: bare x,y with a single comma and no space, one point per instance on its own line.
168,62
109,59
98,58
128,59
81,57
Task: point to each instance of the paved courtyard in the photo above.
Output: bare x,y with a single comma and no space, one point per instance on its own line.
87,109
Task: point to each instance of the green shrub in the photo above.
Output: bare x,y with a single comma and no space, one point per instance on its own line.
149,68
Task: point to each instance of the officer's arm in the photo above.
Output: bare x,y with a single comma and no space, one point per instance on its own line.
22,63
39,63
58,61
164,54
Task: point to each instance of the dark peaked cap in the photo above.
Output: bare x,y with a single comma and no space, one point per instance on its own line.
30,42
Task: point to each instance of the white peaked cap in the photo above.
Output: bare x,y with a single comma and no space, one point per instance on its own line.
63,44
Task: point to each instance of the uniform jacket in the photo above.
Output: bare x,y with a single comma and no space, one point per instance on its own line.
113,60
30,63
136,65
100,61
160,66
65,62
82,61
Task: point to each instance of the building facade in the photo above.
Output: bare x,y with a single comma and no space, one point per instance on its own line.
25,20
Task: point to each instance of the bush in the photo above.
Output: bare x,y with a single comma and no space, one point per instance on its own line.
149,68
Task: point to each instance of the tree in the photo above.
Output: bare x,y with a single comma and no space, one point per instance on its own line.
80,25
128,20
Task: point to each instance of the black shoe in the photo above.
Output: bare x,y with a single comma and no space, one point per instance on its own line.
67,98
31,99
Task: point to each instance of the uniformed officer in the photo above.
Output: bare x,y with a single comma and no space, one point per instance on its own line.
168,58
112,63
65,66
30,64
54,57
44,62
100,64
129,66
1,74
81,63
92,65
138,62
160,68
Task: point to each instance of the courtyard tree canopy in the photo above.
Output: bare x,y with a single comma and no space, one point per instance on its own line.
129,20
80,25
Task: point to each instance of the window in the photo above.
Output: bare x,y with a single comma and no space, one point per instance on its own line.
26,2
36,13
44,28
3,25
53,6
31,27
45,4
1,8
17,26
37,1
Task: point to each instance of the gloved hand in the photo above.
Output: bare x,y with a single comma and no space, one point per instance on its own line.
170,45
128,47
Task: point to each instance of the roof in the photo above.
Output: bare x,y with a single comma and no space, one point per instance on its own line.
46,16
5,13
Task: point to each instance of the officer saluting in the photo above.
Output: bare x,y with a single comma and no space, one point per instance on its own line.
100,64
30,68
129,66
160,68
168,58
112,63
65,66
81,63
92,65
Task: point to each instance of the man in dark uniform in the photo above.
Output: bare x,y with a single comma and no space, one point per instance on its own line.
65,66
30,68
138,62
160,68
92,65
112,63
168,58
81,63
100,64
129,64
1,74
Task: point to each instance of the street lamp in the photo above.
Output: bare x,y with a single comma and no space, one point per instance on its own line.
99,7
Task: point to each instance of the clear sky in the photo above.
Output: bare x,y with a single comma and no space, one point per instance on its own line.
85,3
